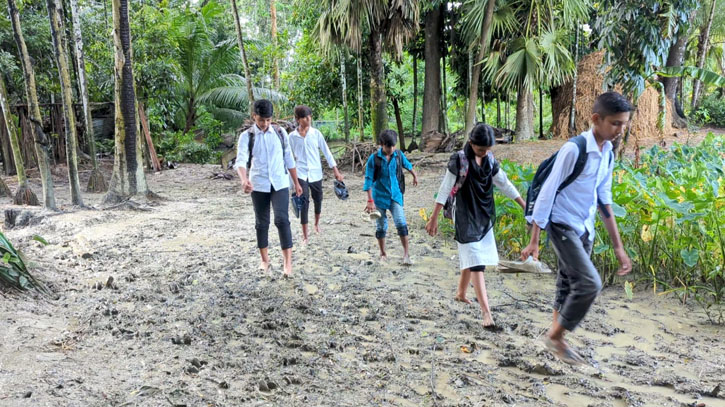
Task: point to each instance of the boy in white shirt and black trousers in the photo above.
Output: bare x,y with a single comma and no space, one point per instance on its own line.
265,165
306,143
567,214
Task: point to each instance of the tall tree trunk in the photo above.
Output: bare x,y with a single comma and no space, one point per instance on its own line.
41,141
524,114
399,123
444,98
24,195
360,117
432,80
128,177
96,182
343,79
275,69
476,71
498,108
240,44
541,114
574,81
674,59
378,98
703,46
415,96
71,136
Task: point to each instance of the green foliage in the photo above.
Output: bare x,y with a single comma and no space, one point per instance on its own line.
671,214
711,111
182,147
13,271
638,35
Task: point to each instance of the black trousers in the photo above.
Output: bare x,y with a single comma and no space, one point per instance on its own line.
279,201
314,189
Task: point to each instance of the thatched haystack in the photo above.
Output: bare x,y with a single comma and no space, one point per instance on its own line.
589,86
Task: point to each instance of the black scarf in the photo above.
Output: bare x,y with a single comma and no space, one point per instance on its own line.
475,210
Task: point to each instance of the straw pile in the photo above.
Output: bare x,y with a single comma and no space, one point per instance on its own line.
589,86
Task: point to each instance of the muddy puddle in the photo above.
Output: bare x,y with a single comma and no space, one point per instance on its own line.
189,321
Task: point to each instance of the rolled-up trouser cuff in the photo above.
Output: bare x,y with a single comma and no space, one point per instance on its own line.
379,234
402,230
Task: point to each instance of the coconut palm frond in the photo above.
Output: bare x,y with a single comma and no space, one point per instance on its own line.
13,271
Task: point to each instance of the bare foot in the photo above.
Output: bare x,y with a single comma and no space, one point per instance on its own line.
383,258
317,229
462,298
264,266
305,240
407,261
488,320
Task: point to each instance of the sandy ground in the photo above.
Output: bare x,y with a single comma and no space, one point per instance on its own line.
189,321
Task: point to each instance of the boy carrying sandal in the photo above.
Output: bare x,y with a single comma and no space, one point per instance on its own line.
567,215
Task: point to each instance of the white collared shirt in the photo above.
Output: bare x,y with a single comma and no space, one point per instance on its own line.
269,167
307,154
576,205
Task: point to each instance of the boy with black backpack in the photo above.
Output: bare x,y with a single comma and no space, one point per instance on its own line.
385,186
265,164
466,196
563,200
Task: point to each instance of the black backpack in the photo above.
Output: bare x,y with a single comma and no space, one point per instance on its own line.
278,132
378,170
542,173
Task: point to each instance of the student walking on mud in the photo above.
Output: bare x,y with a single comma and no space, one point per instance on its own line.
385,186
466,194
265,165
306,143
580,181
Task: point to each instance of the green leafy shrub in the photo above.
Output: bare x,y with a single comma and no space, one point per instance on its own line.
13,271
181,147
711,111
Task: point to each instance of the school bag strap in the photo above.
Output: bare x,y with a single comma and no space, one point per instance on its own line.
250,145
378,169
460,166
544,170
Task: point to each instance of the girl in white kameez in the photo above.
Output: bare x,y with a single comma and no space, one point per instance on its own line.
474,212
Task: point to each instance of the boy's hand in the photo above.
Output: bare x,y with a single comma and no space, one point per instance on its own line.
246,186
531,250
338,174
298,189
625,264
370,207
432,226
415,180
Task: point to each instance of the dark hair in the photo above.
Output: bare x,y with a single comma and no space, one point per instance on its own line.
482,135
302,111
388,138
610,103
263,108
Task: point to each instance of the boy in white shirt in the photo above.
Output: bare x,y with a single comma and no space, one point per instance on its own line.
263,163
306,142
567,214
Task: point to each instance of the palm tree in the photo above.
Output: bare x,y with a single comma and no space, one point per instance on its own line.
243,53
41,141
96,182
379,23
128,177
534,53
57,30
23,195
205,72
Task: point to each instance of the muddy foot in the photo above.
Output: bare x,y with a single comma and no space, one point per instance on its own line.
462,299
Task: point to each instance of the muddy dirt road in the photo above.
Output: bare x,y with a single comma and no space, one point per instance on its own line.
187,320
